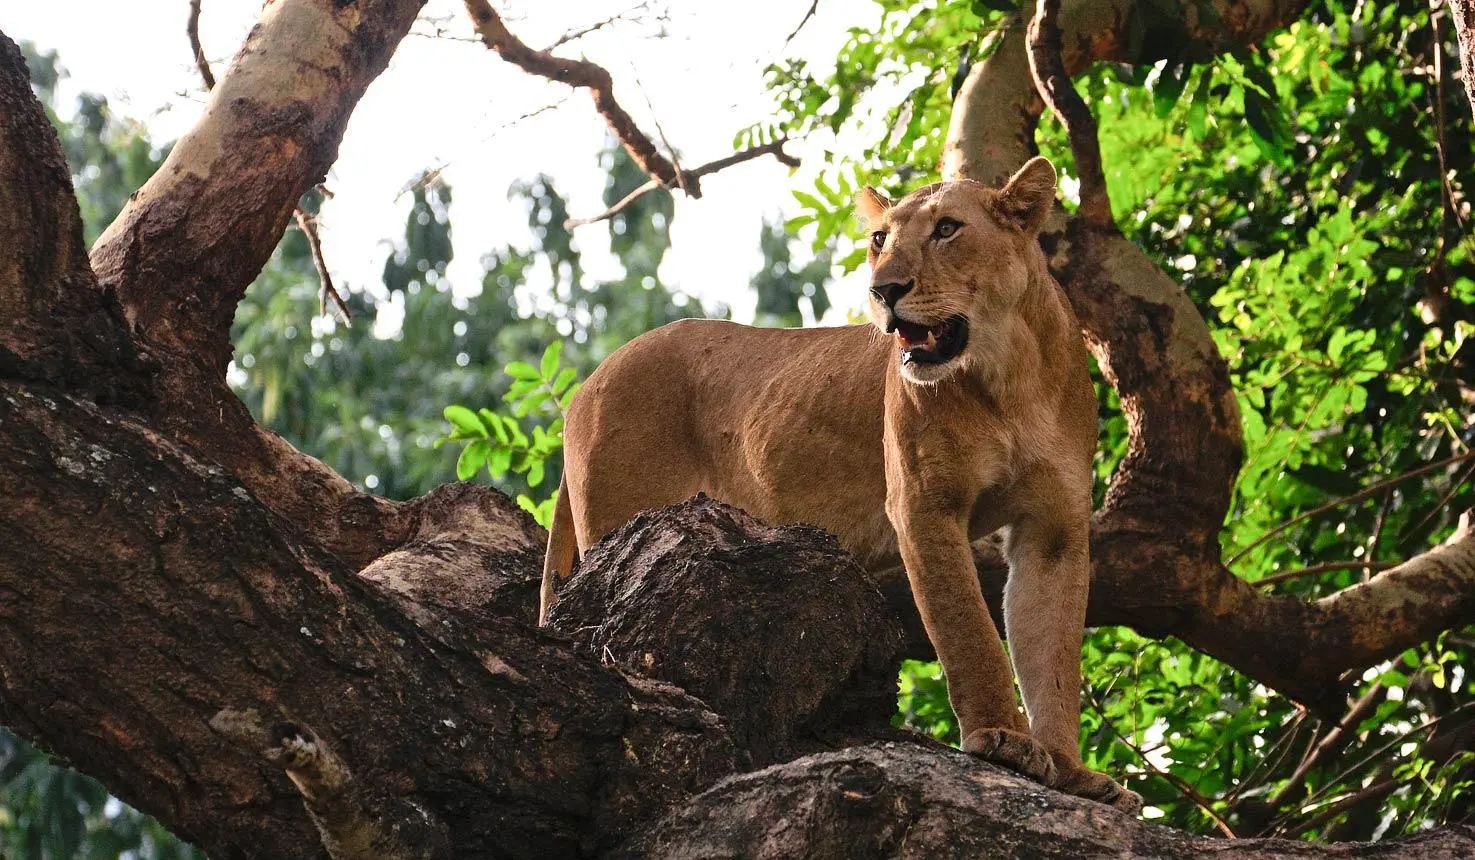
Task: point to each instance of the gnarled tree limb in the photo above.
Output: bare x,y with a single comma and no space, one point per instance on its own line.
183,250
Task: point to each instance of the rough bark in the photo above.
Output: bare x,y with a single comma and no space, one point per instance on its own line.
207,603
899,801
790,639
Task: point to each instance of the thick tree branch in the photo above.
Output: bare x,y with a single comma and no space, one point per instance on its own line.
56,323
183,250
124,550
896,800
1054,84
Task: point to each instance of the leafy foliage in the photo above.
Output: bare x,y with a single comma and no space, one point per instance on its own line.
497,439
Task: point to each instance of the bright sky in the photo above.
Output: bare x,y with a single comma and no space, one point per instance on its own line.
453,104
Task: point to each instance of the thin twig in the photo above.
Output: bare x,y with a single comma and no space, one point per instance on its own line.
193,28
1327,567
575,73
1347,500
1438,507
1178,782
775,149
813,7
1399,740
584,74
1060,93
1272,759
1336,739
584,31
308,223
684,181
1376,791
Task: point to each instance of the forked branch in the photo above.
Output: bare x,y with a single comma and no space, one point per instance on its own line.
1055,86
776,149
664,171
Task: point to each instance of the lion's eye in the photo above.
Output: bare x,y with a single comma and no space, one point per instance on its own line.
878,239
945,228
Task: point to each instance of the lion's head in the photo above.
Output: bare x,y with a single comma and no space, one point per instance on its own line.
949,261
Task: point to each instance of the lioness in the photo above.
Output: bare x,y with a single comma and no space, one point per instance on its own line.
966,408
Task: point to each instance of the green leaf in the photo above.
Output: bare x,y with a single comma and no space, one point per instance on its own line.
531,402
471,459
568,396
1169,87
520,389
522,370
499,461
809,201
1198,107
465,421
535,473
565,378
493,421
549,364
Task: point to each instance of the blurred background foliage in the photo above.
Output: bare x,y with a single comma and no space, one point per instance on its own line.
1310,192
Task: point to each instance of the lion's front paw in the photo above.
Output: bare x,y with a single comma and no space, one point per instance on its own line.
1013,750
1077,780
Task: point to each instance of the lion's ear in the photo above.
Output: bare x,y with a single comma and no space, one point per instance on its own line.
1030,194
870,204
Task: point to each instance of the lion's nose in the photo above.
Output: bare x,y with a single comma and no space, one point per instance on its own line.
890,294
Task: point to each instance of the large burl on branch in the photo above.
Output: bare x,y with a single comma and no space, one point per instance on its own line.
235,640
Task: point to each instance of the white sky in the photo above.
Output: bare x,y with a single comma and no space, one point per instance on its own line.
451,104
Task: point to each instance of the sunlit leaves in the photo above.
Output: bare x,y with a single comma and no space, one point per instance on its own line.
498,442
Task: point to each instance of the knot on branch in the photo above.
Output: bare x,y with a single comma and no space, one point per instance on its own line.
473,554
777,629
351,829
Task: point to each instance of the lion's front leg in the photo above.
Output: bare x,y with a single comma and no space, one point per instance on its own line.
939,564
1044,616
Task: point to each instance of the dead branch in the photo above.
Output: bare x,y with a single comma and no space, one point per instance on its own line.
575,73
664,171
581,32
1055,86
193,28
776,149
813,8
309,226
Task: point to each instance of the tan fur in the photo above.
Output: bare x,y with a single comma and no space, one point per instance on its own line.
826,426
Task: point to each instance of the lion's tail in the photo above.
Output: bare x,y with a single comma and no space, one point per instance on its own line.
560,557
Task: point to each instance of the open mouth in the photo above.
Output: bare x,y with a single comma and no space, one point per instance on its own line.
934,344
